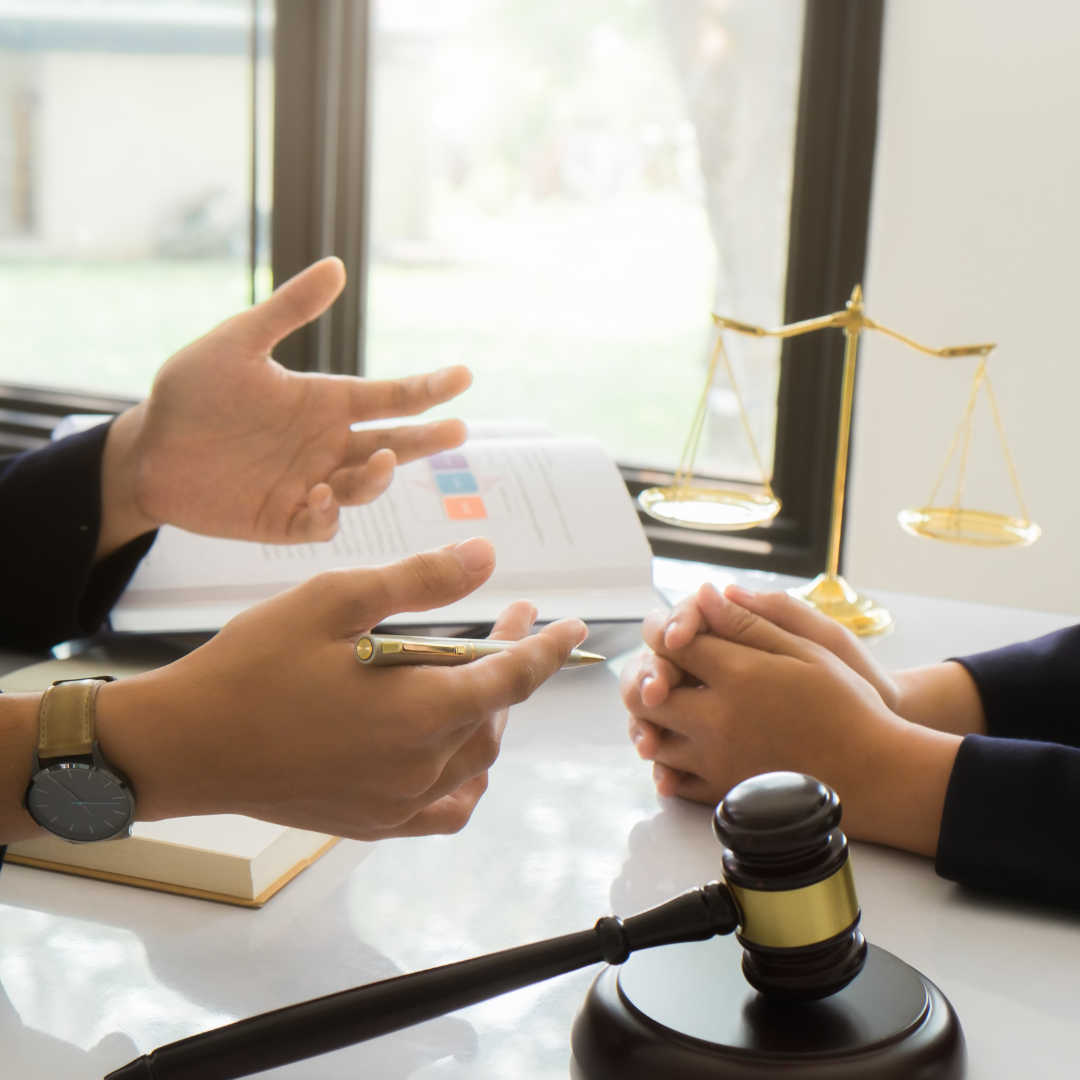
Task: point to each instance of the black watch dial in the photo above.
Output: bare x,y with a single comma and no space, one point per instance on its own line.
79,802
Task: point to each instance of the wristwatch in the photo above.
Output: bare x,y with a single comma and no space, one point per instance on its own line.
74,792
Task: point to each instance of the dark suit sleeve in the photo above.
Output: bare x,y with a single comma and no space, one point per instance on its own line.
1012,809
50,513
1031,690
1012,819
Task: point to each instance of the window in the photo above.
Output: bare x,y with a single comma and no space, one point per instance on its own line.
134,197
560,194
555,192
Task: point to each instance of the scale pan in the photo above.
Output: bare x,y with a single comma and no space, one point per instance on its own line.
977,528
709,508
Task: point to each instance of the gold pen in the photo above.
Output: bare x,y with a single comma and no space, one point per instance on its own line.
387,650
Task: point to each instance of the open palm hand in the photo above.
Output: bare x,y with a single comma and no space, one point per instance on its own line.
232,444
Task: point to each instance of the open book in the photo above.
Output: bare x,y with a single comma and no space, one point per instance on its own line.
223,857
565,531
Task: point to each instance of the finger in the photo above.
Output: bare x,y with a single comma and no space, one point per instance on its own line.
630,681
364,483
647,680
667,781
799,618
685,711
646,737
476,754
450,814
317,521
362,598
678,753
733,623
292,305
652,629
684,623
659,677
673,784
379,399
509,677
515,622
409,442
794,616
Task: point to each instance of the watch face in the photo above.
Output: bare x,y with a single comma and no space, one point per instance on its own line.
79,803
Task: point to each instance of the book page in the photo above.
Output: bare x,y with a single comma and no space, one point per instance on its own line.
556,509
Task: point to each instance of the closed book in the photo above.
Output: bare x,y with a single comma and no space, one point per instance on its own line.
223,857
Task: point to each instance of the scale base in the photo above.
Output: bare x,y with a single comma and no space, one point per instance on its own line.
834,597
686,1011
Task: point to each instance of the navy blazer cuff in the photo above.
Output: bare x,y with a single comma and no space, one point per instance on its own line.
51,589
1012,819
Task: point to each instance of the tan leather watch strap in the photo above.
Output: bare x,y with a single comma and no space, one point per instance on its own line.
66,719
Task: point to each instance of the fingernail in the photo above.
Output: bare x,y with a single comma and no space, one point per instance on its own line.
325,504
474,554
669,632
646,683
710,592
739,595
636,736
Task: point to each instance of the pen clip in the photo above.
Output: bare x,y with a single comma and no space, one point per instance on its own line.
430,649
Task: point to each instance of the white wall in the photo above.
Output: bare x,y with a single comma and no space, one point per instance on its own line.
974,236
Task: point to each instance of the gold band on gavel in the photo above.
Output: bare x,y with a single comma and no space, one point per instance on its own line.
794,917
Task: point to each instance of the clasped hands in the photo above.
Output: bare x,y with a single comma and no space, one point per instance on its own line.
740,683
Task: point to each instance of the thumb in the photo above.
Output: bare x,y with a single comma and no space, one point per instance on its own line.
294,304
430,579
731,622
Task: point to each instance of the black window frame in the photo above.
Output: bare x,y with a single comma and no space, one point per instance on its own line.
321,172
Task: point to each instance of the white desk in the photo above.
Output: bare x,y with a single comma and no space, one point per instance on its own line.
570,829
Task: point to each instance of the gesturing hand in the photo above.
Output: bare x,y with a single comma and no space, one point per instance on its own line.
232,444
275,717
749,697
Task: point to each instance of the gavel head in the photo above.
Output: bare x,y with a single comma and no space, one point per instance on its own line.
786,864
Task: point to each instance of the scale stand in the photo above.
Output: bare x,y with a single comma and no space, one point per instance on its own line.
719,509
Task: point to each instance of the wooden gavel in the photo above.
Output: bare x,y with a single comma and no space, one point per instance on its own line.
788,894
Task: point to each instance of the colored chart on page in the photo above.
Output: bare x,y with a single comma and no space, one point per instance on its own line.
458,487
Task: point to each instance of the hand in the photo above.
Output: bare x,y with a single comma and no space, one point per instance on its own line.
275,717
231,444
941,696
755,698
691,617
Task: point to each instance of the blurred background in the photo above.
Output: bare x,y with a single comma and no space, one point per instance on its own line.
560,192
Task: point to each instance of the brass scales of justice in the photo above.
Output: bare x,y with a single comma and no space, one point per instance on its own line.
720,510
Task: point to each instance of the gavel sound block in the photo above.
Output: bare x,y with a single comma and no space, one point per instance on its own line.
816,1003
813,1001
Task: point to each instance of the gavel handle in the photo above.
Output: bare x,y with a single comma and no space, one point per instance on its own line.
329,1023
